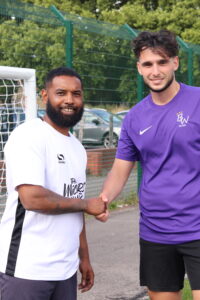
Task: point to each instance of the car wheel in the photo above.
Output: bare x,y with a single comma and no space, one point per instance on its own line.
106,140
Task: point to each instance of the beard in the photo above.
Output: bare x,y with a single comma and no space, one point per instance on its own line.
168,83
62,120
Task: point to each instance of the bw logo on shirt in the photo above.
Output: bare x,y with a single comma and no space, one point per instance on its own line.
61,158
181,119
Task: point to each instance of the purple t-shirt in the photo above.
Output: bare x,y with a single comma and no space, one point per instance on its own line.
166,140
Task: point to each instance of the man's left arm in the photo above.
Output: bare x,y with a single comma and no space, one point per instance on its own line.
87,278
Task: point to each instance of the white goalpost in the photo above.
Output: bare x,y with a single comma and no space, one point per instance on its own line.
17,104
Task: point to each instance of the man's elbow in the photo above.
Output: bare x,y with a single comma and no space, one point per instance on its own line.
28,197
27,204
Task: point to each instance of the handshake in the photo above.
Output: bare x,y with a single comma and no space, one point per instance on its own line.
97,207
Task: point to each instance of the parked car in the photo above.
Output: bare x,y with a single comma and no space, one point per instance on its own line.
121,114
41,112
94,128
9,118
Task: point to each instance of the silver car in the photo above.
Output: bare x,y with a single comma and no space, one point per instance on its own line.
121,114
95,126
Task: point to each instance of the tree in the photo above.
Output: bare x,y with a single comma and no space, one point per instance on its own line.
101,56
181,16
30,45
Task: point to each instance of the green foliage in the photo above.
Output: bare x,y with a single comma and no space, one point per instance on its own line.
181,16
100,55
31,45
176,15
186,293
130,200
101,52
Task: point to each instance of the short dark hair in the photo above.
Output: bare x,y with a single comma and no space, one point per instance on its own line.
164,41
61,71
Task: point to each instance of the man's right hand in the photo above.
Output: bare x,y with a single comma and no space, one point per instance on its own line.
95,206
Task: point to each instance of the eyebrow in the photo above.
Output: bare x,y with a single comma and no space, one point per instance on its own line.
162,60
65,90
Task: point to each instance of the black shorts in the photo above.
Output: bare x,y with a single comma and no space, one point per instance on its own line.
163,266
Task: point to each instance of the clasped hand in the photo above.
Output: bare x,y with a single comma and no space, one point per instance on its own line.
98,207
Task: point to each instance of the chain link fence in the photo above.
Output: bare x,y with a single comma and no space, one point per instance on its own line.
45,38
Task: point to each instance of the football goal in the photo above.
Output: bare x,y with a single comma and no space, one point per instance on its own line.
17,104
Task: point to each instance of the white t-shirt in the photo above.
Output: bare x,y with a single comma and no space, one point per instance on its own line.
34,245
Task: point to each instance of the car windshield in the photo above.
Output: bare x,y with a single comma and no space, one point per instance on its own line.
122,114
41,112
105,115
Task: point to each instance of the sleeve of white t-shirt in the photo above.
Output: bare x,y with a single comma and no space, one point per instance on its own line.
25,158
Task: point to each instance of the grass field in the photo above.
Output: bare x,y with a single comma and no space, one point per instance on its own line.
187,295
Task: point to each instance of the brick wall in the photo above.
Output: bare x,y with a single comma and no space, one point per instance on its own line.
100,160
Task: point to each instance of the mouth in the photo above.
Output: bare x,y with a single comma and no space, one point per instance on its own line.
156,81
68,110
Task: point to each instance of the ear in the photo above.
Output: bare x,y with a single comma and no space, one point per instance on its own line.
44,96
176,62
139,68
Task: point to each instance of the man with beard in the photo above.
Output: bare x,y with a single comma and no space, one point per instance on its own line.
163,133
42,232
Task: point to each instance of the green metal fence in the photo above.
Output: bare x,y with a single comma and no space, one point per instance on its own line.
102,55
44,38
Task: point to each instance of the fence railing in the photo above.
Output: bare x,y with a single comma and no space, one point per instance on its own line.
44,38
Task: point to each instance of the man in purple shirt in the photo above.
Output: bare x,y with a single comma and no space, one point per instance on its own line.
163,133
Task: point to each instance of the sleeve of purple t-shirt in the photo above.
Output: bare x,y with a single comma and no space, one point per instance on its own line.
126,149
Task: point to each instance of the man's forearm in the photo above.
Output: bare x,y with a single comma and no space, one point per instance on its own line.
40,199
83,249
110,189
116,179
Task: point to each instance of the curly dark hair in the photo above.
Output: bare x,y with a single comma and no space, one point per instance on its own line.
163,42
61,71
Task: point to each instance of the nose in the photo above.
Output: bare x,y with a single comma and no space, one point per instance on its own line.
155,70
69,98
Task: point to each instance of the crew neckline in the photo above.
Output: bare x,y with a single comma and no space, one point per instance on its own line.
171,102
54,130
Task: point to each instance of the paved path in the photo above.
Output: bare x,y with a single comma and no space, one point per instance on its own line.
114,255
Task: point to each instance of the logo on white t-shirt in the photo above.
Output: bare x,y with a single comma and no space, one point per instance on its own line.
181,119
74,189
61,158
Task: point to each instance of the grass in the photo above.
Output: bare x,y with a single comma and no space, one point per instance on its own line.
187,294
130,200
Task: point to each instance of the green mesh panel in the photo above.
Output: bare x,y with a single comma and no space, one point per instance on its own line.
34,37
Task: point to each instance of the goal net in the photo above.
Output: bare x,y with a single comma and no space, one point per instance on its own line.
17,104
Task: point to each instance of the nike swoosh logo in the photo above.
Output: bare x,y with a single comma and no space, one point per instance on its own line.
144,130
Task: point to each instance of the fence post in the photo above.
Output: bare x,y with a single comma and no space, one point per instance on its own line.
190,59
69,36
140,89
190,66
